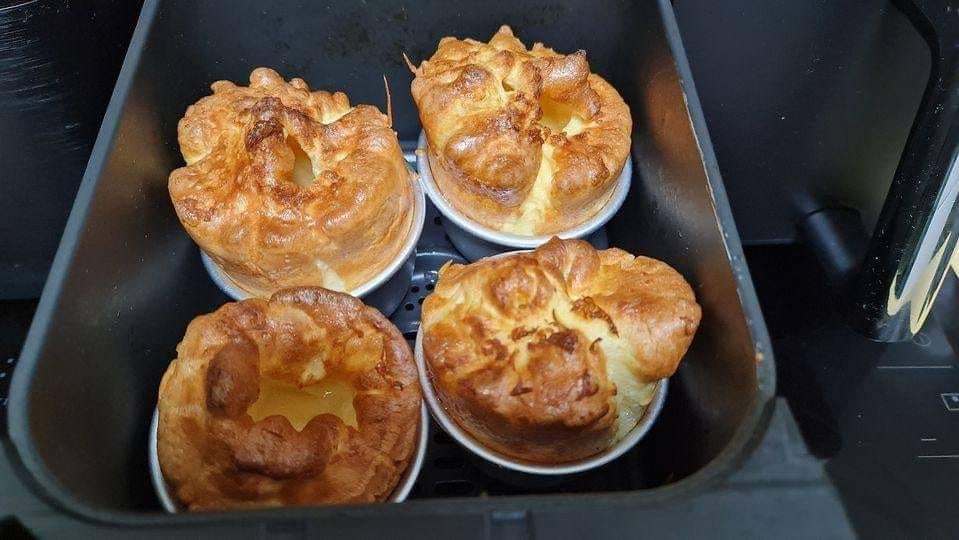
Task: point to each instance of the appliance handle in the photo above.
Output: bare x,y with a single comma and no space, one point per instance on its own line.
915,237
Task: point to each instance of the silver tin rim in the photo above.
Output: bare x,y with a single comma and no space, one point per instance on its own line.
400,492
616,450
615,202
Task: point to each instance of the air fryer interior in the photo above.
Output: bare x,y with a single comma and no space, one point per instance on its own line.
132,279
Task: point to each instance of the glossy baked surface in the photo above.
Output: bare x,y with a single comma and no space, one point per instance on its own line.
287,187
525,141
552,355
309,397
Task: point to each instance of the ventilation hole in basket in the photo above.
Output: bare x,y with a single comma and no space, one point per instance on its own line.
408,307
430,286
453,488
414,289
441,437
438,221
447,238
448,462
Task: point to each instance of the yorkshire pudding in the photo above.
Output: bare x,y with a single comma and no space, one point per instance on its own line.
287,187
309,397
522,141
552,355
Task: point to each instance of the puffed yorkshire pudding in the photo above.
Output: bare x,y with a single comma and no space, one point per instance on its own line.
552,356
522,141
309,397
287,187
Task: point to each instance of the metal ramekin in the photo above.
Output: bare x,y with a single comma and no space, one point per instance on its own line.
450,426
400,492
385,291
476,241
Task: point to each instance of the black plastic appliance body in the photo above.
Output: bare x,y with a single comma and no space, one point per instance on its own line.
126,279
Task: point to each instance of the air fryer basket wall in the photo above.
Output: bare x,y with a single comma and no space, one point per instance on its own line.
127,279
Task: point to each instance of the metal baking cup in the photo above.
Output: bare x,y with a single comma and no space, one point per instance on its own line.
385,291
476,241
400,492
450,426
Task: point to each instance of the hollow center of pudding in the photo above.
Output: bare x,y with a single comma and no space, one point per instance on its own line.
299,405
559,117
302,166
532,215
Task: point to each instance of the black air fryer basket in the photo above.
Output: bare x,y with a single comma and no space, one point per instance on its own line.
127,279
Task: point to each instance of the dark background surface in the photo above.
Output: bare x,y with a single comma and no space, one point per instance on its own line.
58,63
808,105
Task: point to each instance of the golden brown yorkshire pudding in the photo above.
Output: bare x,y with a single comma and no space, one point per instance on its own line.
552,355
286,187
309,397
522,141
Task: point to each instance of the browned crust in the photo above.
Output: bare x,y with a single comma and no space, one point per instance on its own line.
513,347
481,105
236,199
214,456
